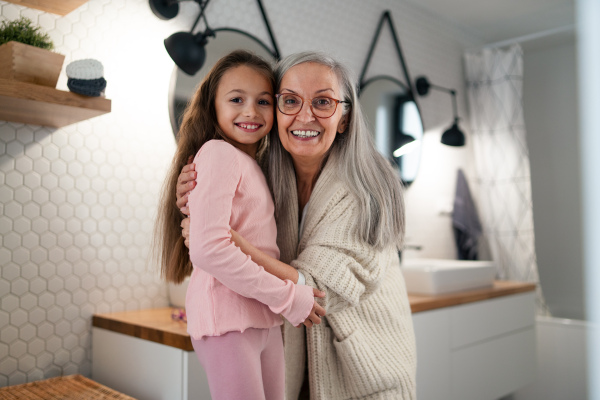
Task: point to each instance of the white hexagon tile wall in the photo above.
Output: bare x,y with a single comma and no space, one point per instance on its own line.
77,204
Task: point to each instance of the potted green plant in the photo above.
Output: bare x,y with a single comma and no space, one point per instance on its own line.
25,54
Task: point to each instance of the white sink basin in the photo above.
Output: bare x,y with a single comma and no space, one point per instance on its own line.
433,276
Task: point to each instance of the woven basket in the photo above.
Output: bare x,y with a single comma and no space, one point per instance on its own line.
72,387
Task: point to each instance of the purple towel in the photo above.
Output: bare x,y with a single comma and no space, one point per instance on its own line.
465,221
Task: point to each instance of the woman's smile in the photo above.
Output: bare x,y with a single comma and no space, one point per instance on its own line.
304,135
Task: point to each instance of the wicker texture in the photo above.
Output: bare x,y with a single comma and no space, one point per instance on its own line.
72,387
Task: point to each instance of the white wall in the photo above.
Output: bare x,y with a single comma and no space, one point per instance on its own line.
550,105
78,203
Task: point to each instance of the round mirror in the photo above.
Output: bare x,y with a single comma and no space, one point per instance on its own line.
183,86
394,119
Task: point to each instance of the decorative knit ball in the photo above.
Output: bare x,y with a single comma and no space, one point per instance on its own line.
85,69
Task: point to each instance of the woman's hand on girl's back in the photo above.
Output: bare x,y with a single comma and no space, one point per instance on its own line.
185,183
185,231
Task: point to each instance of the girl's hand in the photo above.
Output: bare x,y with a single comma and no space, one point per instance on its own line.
185,183
185,231
237,239
314,318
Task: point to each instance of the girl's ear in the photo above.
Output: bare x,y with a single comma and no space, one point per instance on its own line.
343,124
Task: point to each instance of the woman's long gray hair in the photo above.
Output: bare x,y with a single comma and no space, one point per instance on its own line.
367,174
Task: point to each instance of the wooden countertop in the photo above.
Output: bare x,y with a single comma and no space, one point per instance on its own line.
500,288
157,325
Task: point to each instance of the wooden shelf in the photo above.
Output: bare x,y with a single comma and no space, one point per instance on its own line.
62,7
42,105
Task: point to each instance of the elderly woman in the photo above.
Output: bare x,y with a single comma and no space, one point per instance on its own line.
340,220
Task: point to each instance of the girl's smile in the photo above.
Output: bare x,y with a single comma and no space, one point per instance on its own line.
244,106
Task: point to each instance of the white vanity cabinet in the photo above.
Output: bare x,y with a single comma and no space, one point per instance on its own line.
482,350
146,355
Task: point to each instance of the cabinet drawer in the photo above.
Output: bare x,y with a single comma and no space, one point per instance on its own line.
492,369
475,322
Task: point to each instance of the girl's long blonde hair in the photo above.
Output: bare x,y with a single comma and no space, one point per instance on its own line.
199,125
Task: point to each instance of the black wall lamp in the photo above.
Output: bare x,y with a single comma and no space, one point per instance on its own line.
186,48
453,136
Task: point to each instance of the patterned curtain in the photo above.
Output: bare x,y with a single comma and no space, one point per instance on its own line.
494,87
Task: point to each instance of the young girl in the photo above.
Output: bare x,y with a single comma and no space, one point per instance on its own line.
232,304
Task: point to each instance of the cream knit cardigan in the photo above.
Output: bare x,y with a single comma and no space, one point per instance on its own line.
365,346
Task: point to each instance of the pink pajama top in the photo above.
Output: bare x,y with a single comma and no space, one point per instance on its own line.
227,290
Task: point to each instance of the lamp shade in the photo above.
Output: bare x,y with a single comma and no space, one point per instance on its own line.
453,136
187,51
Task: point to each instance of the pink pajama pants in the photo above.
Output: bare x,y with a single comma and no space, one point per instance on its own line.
245,365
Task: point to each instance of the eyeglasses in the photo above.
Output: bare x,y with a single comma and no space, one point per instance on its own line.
321,107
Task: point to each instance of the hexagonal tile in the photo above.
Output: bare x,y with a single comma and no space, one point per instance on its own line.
15,149
36,347
35,374
13,210
28,301
75,197
9,334
56,255
37,316
17,349
65,240
42,167
38,255
54,343
70,341
11,241
37,285
50,182
6,194
31,210
51,152
21,225
45,330
24,165
17,378
19,286
72,283
5,257
10,272
48,240
27,332
7,365
32,179
56,284
46,300
63,298
59,167
40,195
49,210
54,314
47,270
26,363
44,359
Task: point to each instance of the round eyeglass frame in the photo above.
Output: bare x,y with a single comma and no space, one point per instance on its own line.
278,95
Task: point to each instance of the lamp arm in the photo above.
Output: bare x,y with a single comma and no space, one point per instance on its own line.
274,53
454,107
202,8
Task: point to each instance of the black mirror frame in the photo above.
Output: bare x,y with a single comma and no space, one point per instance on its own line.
407,85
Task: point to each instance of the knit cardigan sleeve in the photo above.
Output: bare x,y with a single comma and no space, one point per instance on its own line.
332,256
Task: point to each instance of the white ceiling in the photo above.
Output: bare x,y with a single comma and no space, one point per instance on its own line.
498,20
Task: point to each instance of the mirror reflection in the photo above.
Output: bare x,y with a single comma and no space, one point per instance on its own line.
183,86
394,119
